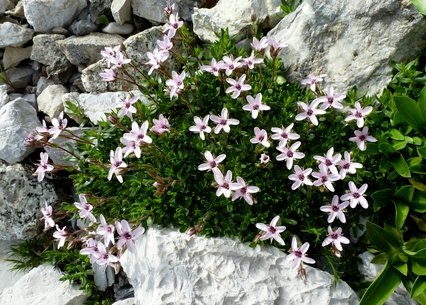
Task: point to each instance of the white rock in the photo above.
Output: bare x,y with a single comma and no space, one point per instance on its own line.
14,35
121,11
13,56
170,268
94,106
115,28
4,98
42,84
44,15
153,9
353,42
17,120
50,100
86,50
21,198
235,15
8,277
129,301
42,286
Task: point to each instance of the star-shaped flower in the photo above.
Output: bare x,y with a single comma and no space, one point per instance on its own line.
335,238
229,64
117,164
237,86
161,125
300,177
244,190
312,81
325,178
260,136
331,99
43,167
127,108
358,114
85,208
330,160
47,212
212,162
212,68
298,255
201,126
347,166
252,60
61,235
289,154
255,105
259,45
336,209
127,235
284,134
356,195
223,122
175,85
309,112
224,183
106,230
271,230
361,137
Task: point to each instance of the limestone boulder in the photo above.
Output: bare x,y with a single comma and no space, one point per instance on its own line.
236,16
86,50
353,42
121,11
4,97
44,15
20,77
13,56
14,35
17,120
120,29
21,198
168,267
50,100
42,284
7,275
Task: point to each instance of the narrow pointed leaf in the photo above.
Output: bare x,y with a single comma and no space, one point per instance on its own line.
410,111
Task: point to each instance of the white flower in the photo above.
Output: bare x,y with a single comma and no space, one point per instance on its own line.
223,121
300,177
260,136
298,255
201,126
335,209
237,86
358,114
335,238
271,230
356,195
329,160
212,162
331,100
224,184
243,190
309,112
347,166
289,154
284,134
255,105
264,158
361,137
324,178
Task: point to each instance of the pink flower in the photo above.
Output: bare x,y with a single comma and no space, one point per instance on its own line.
161,125
259,45
109,53
61,235
223,122
284,134
91,249
212,68
85,208
156,57
165,45
229,64
175,85
330,160
173,26
358,114
264,158
108,75
335,238
275,45
138,134
324,178
252,60
131,147
127,235
298,255
103,257
119,61
347,166
106,230
356,195
331,100
260,136
59,124
312,81
42,132
336,209
224,183
47,216
212,162
128,109
237,86
117,163
244,190
300,177
361,137
43,166
201,126
271,230
255,105
289,154
309,112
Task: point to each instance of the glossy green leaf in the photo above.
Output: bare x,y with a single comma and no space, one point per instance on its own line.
419,263
418,185
420,6
398,145
400,165
380,258
422,151
396,135
418,203
401,213
401,267
405,192
410,111
382,287
383,240
419,286
387,149
381,198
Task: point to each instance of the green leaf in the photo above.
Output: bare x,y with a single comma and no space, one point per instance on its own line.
400,165
405,192
386,149
420,6
419,286
383,240
401,267
381,198
401,213
418,185
410,111
419,263
380,258
382,287
398,145
418,203
396,135
422,151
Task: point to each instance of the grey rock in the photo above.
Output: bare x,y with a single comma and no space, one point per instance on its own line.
4,5
121,11
46,49
21,198
82,27
44,15
17,11
353,42
129,301
14,35
153,9
115,28
42,84
7,275
59,156
85,50
168,267
104,277
17,121
98,8
13,56
31,99
236,16
4,98
20,77
50,100
60,31
41,284
60,70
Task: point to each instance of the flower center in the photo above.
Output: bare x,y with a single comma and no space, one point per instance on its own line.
127,235
328,162
290,154
301,177
335,208
272,229
334,236
358,114
356,195
362,137
256,107
309,112
346,166
298,253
